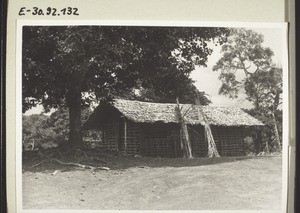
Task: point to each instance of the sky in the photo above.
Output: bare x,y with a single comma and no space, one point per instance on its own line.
207,80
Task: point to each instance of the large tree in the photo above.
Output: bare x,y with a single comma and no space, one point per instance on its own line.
73,65
246,65
243,52
265,89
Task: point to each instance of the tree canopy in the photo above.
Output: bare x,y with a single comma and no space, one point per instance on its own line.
244,53
109,60
74,65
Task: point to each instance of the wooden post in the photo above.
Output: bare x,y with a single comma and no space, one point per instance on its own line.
242,140
184,134
117,129
125,137
212,148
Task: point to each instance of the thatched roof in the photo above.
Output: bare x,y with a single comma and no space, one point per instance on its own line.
146,112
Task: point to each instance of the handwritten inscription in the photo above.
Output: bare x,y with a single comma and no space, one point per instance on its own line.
49,11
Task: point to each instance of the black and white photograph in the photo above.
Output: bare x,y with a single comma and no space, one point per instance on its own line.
152,117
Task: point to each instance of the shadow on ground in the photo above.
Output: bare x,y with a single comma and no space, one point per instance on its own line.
33,163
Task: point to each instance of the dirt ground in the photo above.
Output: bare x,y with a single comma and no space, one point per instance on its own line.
157,184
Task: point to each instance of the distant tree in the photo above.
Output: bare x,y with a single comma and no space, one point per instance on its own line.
265,89
262,82
42,131
72,65
243,52
36,132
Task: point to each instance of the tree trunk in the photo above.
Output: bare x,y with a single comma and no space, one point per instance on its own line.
74,105
275,106
276,134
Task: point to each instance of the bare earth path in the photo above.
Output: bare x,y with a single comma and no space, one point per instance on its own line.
156,183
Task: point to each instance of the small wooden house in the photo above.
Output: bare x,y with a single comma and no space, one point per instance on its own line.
153,129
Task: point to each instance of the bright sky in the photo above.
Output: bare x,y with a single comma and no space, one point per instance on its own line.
207,80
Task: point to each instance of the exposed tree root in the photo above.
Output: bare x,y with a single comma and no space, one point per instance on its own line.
40,163
80,165
50,158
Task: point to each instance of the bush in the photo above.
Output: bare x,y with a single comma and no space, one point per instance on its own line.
37,133
42,131
262,138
